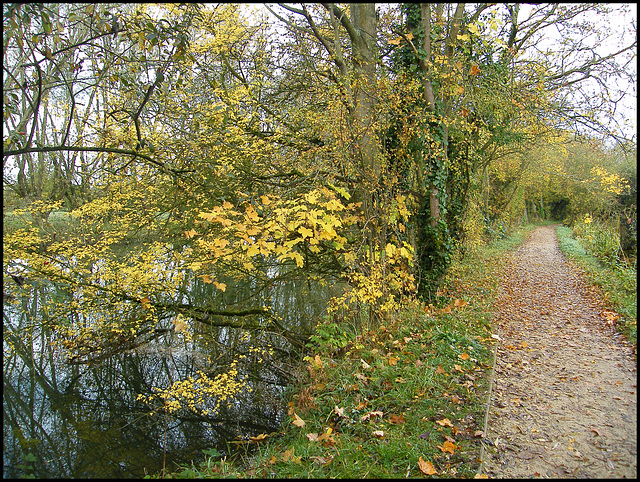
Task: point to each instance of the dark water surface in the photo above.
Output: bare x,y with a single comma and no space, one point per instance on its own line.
85,419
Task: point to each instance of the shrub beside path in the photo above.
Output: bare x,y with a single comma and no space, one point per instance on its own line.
564,394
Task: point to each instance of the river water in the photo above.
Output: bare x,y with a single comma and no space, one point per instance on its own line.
71,419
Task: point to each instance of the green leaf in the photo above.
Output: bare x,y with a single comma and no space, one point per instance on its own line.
46,22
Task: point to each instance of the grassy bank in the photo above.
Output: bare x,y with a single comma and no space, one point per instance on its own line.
405,400
616,283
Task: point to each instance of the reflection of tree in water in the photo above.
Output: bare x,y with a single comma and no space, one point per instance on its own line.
85,419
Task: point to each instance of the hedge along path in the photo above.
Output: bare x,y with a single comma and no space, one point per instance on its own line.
563,398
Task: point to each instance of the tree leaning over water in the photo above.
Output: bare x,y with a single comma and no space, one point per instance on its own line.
317,143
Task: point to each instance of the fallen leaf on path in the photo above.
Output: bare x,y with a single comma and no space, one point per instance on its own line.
426,467
460,303
396,419
447,447
322,460
326,438
596,432
297,421
445,422
369,415
287,456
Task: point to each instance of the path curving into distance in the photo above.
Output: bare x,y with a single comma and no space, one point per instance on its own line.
563,399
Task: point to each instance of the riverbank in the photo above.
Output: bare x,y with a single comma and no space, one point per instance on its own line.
405,400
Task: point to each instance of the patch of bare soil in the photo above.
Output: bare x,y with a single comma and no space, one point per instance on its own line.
563,401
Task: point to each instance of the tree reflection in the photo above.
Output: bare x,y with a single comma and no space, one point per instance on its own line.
67,417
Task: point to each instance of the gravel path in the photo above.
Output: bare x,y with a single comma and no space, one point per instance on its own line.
563,400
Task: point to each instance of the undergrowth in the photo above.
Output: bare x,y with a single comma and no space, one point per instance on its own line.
616,281
403,400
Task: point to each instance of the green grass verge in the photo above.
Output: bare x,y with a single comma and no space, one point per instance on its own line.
618,284
405,395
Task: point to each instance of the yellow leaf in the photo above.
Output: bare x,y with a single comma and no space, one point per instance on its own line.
299,259
306,232
251,213
206,278
390,249
426,467
259,438
447,447
392,361
318,361
253,250
297,421
464,356
396,41
221,286
190,234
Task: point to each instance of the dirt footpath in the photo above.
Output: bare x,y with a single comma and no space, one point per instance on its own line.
563,400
